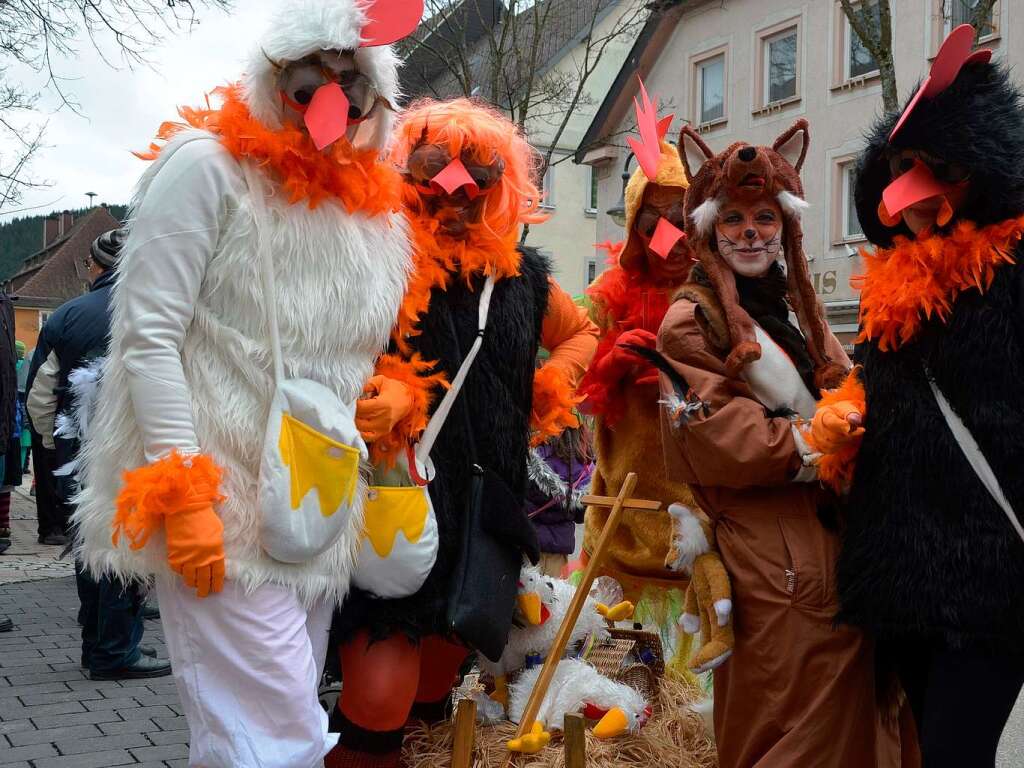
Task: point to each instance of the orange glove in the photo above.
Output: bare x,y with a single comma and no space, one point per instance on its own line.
179,491
835,426
387,402
195,546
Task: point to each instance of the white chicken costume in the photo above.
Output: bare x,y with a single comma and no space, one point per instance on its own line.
577,688
171,467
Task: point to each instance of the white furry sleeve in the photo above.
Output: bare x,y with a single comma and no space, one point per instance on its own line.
175,234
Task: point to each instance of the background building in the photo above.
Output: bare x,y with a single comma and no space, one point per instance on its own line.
58,271
746,69
564,59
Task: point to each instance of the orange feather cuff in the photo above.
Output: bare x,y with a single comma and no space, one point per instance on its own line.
163,488
836,469
423,385
553,402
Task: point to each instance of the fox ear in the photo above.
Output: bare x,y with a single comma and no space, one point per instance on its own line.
792,145
692,151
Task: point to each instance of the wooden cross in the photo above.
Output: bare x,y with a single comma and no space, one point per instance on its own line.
617,504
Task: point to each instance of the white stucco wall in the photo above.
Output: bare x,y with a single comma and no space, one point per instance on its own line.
838,117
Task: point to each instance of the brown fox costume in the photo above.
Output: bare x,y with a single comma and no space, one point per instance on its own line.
708,604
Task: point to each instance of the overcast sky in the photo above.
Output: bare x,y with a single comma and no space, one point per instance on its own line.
122,109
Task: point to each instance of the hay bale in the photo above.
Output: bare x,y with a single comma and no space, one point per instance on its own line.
674,737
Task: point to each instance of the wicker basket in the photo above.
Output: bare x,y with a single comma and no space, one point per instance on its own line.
645,676
608,658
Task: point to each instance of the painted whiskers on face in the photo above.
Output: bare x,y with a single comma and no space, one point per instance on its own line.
749,236
772,247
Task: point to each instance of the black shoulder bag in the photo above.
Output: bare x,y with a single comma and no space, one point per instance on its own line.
496,533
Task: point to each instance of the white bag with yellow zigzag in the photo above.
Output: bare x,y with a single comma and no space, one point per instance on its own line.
309,475
309,472
400,537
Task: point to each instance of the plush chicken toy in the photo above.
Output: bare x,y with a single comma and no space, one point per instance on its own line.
708,604
577,688
541,605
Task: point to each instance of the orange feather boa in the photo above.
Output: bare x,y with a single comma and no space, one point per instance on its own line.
356,179
162,488
423,382
553,404
623,302
916,279
438,259
836,469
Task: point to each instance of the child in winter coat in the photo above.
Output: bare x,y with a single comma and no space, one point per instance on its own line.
559,473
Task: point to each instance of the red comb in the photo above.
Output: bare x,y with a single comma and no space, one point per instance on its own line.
954,53
648,149
388,21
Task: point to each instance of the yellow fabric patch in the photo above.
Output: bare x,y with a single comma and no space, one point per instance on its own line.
390,510
317,461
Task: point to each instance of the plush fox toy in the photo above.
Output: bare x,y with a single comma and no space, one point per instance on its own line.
708,605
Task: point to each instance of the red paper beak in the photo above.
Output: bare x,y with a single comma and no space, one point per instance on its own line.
326,117
912,187
453,177
665,237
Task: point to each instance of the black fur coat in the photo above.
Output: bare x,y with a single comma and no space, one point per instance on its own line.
499,395
926,551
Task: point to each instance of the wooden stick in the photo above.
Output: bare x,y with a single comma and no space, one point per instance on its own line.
465,725
574,731
557,649
607,501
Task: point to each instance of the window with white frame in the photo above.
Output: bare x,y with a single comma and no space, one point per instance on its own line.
857,60
591,206
591,275
43,317
957,12
547,188
780,65
850,228
709,78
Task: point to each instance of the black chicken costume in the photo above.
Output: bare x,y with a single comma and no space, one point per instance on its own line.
930,563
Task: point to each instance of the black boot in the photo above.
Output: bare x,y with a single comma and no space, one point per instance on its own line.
144,667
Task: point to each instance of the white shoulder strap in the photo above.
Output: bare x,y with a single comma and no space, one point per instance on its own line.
259,211
441,414
974,456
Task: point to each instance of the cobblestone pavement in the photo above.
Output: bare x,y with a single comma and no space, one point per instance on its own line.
28,560
53,716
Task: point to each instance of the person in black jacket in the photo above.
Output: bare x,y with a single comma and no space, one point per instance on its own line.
931,564
111,612
9,420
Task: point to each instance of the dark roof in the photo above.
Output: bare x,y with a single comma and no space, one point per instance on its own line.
645,52
63,274
462,28
478,22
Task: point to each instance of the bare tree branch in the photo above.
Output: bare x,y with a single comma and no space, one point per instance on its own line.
44,35
877,39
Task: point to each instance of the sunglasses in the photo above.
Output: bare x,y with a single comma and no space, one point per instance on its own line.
484,178
648,217
300,81
946,172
